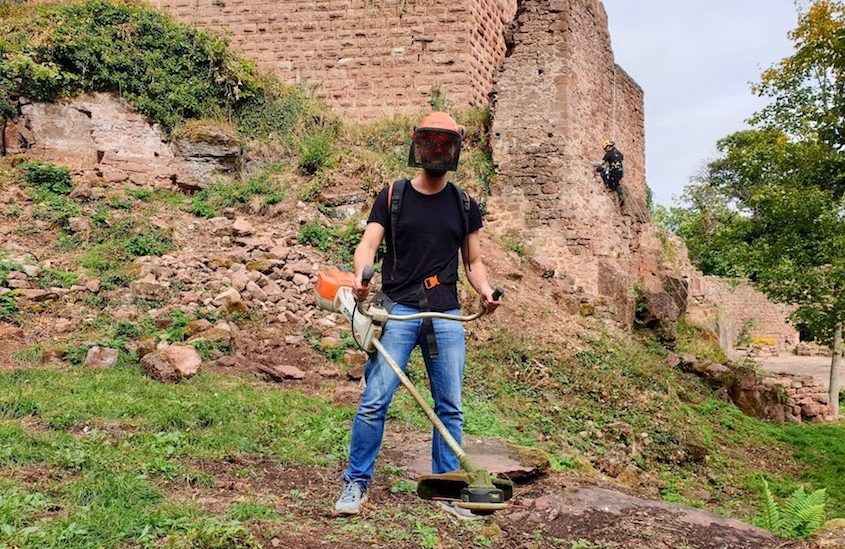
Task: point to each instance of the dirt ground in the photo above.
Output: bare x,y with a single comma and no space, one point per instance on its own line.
558,510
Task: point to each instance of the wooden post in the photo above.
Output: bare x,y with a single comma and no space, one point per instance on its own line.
835,368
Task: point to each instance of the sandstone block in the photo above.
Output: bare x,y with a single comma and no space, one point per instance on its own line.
184,360
159,368
100,358
231,301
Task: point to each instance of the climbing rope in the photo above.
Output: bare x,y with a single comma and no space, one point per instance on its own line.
613,107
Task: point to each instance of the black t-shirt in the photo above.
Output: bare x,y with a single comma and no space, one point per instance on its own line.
429,234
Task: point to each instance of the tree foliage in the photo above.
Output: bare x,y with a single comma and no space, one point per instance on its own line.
807,87
771,207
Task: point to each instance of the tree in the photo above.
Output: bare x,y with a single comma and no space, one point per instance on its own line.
771,207
766,210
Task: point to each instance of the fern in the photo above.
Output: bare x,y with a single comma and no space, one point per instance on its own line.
771,514
799,517
803,513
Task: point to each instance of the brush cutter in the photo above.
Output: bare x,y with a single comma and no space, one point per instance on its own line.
471,487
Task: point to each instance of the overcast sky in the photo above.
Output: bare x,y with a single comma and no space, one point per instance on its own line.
695,60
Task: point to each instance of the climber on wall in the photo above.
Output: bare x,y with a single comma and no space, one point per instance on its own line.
610,169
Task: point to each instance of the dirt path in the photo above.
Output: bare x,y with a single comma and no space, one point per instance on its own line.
816,366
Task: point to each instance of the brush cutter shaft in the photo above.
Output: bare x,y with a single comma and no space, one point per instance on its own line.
444,432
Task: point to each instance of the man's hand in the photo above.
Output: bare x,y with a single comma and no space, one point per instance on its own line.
489,303
360,291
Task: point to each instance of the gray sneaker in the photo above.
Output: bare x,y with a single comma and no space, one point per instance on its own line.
351,499
464,514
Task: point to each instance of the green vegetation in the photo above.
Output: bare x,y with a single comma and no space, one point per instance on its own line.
265,183
54,278
49,186
316,151
800,516
335,352
340,244
620,393
30,356
114,242
45,177
8,307
115,494
168,71
7,267
770,209
699,341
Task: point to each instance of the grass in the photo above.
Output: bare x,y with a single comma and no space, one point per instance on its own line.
268,184
141,433
620,391
340,244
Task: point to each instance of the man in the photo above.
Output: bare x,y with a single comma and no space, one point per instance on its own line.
425,222
611,169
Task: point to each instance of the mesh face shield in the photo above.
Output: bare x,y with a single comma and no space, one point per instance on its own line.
435,149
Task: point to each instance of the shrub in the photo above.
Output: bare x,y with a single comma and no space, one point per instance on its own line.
8,308
168,71
43,176
30,356
6,267
52,278
55,208
209,201
316,152
317,235
152,242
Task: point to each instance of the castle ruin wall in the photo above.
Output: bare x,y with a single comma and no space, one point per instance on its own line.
366,58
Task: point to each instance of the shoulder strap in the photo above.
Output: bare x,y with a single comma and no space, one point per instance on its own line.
395,192
464,200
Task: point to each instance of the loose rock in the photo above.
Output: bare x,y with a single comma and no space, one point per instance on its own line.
100,358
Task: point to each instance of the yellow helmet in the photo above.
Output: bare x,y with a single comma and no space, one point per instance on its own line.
607,143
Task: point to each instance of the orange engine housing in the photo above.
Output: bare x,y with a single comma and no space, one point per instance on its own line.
330,281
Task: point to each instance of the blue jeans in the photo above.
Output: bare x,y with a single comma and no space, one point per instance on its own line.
445,374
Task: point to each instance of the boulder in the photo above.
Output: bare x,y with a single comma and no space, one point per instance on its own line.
185,360
255,291
242,227
150,288
93,285
101,358
79,224
231,301
660,312
159,368
279,372
197,326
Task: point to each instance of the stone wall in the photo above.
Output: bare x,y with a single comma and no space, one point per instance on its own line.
557,97
367,58
728,307
777,397
101,137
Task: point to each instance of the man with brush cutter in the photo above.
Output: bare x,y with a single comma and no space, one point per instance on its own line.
426,221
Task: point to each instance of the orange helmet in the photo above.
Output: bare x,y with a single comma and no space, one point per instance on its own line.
436,143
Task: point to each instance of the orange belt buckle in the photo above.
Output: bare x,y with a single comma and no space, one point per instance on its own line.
431,282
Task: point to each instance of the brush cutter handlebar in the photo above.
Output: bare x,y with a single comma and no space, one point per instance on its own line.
368,274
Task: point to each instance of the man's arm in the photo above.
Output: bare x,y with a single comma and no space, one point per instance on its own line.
365,254
477,273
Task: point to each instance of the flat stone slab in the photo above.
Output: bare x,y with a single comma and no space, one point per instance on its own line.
517,463
594,512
